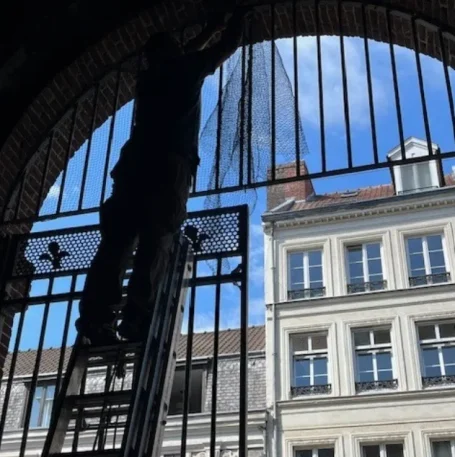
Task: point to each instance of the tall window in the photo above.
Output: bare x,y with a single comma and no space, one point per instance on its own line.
426,260
310,360
437,349
365,268
443,448
382,450
42,405
417,177
373,354
305,275
323,452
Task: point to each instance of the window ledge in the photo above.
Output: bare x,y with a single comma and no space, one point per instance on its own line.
376,386
304,391
438,382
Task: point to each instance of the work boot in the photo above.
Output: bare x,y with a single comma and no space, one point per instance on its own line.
97,334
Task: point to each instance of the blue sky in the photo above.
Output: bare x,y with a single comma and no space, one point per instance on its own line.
387,133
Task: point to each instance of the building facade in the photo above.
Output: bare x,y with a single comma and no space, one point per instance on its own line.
199,423
360,316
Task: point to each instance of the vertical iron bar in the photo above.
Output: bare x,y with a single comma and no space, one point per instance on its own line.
447,78
12,368
296,89
45,171
242,112
111,136
216,338
250,105
19,196
345,85
189,356
34,381
79,418
219,130
370,86
67,159
321,87
395,85
421,87
273,93
89,145
243,397
138,74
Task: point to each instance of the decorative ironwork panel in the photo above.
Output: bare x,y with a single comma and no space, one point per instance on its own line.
311,390
376,385
303,294
436,381
438,278
367,287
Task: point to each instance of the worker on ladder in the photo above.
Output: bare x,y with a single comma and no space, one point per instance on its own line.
152,180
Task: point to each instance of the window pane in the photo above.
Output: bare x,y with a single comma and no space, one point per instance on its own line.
365,362
447,330
300,343
355,254
385,375
362,338
434,242
374,267
297,279
326,453
431,362
315,274
384,361
304,453
301,368
415,245
315,257
448,354
356,271
437,259
427,332
373,251
417,262
321,380
304,381
370,451
319,342
50,392
296,260
320,366
424,175
394,450
441,449
36,406
382,336
365,376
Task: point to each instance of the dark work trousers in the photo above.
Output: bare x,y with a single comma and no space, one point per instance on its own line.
141,212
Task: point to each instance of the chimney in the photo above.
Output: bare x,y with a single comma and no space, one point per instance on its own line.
299,190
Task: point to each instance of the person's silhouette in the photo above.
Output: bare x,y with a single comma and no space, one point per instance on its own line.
152,181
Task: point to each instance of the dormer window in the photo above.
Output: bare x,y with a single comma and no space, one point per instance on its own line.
416,177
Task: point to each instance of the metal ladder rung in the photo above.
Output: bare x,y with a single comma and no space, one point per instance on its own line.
99,399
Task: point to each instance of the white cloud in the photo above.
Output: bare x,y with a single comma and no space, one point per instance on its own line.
54,191
332,80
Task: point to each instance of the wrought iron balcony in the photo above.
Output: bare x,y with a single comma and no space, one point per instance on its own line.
302,294
311,390
376,385
372,286
425,280
435,381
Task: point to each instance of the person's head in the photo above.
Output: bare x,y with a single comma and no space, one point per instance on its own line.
162,45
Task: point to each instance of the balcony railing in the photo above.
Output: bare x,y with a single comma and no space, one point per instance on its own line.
425,280
372,286
302,294
435,381
311,390
376,385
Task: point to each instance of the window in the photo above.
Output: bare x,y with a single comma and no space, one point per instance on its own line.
365,268
373,355
443,448
305,275
310,360
42,405
323,452
383,450
417,177
437,353
426,260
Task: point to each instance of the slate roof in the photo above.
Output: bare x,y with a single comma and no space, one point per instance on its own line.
229,343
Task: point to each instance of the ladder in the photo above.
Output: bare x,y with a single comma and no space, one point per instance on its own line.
134,399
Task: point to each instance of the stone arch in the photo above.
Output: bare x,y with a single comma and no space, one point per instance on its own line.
51,110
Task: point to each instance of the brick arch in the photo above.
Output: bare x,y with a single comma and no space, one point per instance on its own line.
52,108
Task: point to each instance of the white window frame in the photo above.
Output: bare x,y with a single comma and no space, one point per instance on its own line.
416,177
314,451
452,445
44,410
305,268
373,349
310,354
438,343
382,448
366,273
426,252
